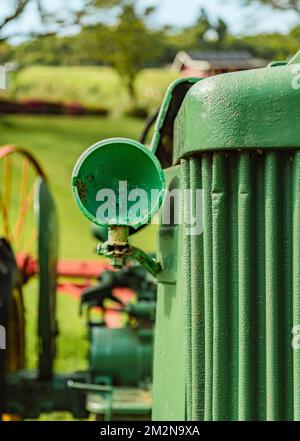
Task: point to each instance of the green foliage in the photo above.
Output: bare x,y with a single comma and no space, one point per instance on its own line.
14,10
273,46
221,29
126,42
49,50
53,20
5,53
129,45
201,26
197,37
285,5
103,3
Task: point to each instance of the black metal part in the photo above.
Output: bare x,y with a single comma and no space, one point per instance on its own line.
164,150
148,125
8,281
47,256
29,396
133,277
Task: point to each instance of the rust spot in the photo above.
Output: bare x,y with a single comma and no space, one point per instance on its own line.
82,190
90,178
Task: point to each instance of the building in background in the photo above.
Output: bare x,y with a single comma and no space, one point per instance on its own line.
207,63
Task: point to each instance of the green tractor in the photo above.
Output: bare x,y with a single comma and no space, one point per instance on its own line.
228,260
227,266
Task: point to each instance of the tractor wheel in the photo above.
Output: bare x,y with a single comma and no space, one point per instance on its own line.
19,172
28,226
11,319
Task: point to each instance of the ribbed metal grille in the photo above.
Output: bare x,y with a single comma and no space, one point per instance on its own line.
242,287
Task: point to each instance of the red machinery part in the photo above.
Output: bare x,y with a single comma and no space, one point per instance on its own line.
87,270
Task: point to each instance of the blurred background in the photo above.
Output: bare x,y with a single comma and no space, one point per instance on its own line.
83,70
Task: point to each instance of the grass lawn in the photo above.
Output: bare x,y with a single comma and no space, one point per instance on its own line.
57,142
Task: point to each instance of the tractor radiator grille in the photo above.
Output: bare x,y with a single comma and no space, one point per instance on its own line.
242,287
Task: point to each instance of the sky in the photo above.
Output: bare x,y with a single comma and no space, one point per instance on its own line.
240,19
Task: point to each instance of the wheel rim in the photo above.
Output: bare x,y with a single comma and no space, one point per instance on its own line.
18,174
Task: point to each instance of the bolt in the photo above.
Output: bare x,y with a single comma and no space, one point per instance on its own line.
117,262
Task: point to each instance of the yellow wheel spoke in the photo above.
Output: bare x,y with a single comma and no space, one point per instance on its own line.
24,183
19,226
5,218
7,187
29,245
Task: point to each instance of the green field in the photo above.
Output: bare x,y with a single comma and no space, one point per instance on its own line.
92,86
57,142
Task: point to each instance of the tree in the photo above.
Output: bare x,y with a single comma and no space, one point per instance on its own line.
222,30
5,52
17,7
203,34
65,17
202,24
284,5
129,44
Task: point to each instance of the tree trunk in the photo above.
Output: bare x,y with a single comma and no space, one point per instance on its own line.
131,89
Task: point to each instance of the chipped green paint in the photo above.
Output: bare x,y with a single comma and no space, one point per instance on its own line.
166,104
228,298
242,110
107,163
